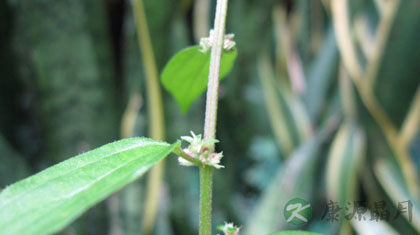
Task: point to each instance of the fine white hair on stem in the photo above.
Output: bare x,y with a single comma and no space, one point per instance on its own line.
215,57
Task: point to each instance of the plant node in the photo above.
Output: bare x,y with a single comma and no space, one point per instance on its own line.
198,149
229,229
207,42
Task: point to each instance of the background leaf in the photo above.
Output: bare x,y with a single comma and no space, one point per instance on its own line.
345,156
391,180
186,74
48,201
320,75
287,115
294,233
9,157
372,227
293,179
399,66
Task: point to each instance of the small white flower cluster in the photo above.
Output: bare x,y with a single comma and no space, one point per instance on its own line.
207,43
199,149
230,229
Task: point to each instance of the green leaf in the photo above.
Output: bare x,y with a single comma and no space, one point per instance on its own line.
393,183
344,161
367,226
295,233
186,74
321,74
288,118
48,201
399,67
9,157
295,178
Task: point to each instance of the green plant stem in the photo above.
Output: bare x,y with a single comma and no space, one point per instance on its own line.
206,173
178,151
155,112
206,188
213,84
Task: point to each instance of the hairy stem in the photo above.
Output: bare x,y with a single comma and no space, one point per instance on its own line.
206,173
155,113
215,57
206,188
